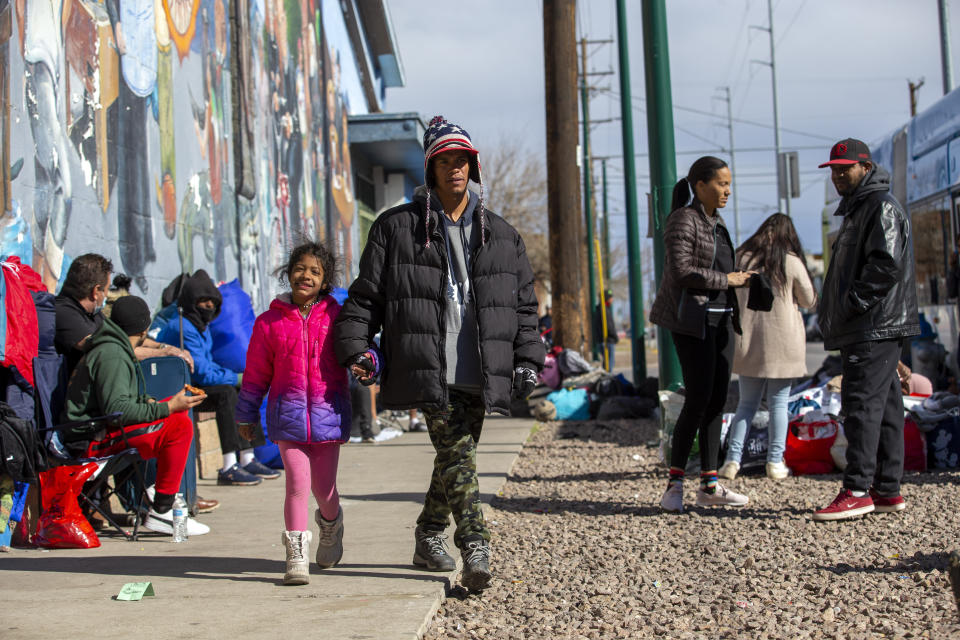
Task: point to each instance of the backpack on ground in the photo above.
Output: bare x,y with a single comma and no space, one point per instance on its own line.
20,454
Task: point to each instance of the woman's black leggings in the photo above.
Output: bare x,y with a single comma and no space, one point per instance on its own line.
706,368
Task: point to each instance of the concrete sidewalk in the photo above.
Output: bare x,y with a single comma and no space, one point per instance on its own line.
228,584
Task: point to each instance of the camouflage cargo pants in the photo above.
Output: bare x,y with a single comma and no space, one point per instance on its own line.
455,432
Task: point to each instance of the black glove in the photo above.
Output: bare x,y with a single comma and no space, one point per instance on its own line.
524,380
364,362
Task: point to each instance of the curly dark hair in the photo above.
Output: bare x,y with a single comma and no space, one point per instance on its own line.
324,255
121,281
86,273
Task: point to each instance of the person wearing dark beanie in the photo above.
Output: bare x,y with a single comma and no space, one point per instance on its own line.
131,314
107,381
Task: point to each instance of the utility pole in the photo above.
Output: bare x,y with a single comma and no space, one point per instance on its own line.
946,62
606,224
637,321
776,105
588,198
733,167
663,168
914,90
563,180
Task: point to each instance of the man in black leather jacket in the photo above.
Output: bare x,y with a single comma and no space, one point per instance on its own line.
867,307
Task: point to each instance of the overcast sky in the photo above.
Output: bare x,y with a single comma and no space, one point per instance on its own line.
842,70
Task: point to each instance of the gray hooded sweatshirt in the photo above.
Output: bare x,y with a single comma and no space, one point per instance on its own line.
463,345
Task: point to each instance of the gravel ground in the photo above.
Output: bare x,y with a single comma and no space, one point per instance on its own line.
582,550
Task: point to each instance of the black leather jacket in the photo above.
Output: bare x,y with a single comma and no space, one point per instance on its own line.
870,291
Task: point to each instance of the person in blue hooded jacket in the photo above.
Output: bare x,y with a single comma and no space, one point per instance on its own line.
201,301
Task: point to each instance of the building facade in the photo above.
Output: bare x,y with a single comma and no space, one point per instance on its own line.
174,135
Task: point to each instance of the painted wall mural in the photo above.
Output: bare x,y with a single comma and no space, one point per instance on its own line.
127,127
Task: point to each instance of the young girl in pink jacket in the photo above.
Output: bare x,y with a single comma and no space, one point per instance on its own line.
308,406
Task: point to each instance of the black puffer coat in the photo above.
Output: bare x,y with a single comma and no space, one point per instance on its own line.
690,248
870,290
401,289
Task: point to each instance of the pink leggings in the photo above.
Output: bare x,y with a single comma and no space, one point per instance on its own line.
309,466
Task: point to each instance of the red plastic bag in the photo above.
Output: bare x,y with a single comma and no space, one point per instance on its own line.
62,525
808,447
914,447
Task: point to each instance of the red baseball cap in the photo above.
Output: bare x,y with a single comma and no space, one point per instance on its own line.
849,151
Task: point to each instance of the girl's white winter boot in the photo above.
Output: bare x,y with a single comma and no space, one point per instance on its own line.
297,544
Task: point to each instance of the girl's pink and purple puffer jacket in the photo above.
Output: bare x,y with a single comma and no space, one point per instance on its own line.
293,357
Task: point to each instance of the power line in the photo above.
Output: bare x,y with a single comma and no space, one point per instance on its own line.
722,118
795,16
695,135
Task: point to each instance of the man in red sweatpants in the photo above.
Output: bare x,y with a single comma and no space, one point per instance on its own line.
108,380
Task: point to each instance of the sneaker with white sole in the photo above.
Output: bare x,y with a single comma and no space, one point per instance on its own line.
845,506
729,470
722,497
330,541
163,523
476,574
887,504
672,499
777,470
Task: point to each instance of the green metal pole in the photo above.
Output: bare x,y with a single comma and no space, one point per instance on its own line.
591,258
637,322
606,225
663,168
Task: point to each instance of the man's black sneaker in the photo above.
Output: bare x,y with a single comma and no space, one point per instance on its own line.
430,552
476,564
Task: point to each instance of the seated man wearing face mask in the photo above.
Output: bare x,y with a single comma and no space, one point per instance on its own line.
79,312
201,300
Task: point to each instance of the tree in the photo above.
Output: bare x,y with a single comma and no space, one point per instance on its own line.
515,187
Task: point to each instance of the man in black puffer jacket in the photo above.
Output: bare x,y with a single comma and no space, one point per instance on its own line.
449,284
867,307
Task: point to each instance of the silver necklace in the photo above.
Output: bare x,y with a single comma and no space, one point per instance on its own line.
306,307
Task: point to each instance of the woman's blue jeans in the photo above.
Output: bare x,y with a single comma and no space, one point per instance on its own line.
751,392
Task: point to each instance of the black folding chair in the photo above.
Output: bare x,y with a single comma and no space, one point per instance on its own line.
120,467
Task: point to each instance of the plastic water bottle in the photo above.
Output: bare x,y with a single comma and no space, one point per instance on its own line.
179,519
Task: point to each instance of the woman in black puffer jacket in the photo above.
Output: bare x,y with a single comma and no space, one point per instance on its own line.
696,302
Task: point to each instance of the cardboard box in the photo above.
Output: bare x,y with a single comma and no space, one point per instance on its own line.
208,464
208,438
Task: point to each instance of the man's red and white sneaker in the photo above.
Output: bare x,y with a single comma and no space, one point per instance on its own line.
887,504
845,505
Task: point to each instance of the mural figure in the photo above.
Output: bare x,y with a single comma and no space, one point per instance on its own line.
134,31
208,208
6,30
40,22
181,18
314,183
341,173
167,189
91,79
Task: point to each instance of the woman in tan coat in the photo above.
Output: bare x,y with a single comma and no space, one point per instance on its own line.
771,352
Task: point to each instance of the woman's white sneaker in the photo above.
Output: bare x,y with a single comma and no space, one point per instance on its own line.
729,470
777,470
672,499
722,497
